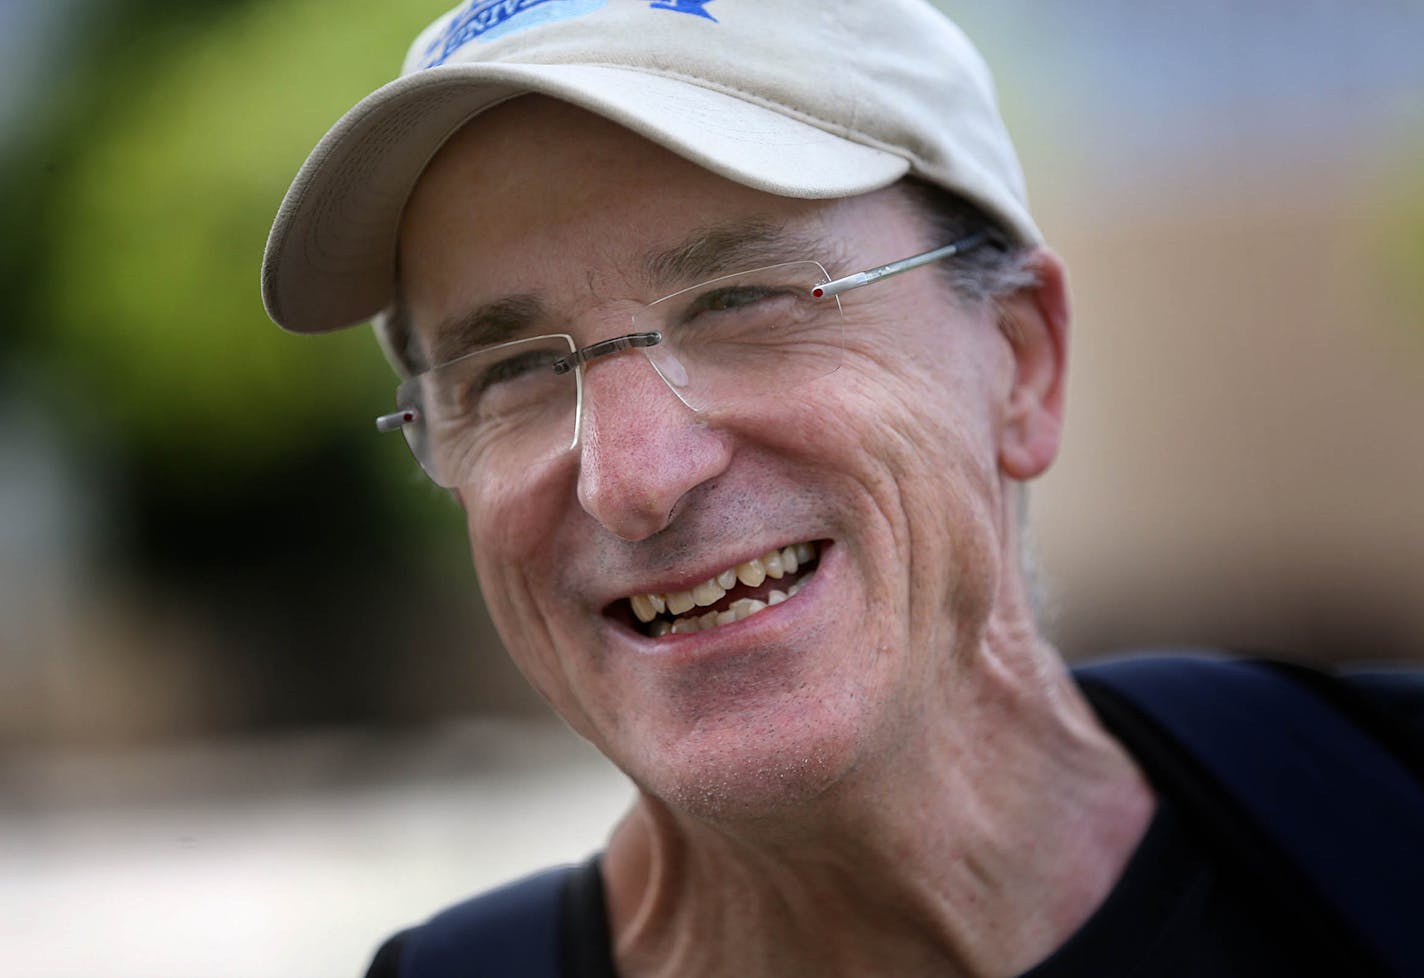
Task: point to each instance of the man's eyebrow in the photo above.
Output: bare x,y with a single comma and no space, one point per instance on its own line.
729,248
486,325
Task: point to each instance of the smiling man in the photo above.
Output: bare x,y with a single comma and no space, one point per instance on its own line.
729,328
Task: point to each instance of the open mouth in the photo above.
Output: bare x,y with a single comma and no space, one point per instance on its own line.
730,596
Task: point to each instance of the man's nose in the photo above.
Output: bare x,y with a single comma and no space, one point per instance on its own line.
640,448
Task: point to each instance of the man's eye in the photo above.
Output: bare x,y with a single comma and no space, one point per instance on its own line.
741,311
497,385
734,297
513,368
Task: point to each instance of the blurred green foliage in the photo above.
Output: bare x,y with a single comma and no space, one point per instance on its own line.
171,169
244,487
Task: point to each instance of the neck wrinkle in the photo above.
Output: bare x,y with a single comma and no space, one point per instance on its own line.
1003,846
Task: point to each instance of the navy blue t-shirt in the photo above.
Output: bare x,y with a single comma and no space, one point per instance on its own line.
1192,901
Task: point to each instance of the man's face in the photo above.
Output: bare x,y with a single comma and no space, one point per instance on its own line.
888,468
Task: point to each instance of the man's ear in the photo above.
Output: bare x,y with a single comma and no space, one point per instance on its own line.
1035,320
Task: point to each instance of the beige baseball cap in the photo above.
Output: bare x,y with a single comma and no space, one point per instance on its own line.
800,98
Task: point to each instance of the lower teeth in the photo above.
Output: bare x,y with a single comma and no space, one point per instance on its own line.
743,608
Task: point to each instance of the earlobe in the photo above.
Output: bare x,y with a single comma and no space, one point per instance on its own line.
1035,321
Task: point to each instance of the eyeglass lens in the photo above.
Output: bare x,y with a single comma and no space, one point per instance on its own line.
723,343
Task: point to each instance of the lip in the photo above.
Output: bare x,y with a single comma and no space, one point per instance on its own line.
779,618
690,580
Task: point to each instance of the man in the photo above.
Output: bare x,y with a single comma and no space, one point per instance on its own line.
748,519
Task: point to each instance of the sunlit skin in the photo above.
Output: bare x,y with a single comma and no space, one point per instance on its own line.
889,773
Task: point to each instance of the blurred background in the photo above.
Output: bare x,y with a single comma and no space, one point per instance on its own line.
252,715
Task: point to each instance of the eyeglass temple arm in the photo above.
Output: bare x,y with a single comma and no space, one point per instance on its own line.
828,289
397,421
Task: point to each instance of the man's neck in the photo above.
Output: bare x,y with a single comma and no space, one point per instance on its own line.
977,850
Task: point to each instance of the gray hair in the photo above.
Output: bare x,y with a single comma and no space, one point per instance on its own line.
980,276
393,332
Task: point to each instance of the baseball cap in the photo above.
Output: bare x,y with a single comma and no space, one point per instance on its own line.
799,98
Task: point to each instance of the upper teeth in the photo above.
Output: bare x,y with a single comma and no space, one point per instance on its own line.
775,564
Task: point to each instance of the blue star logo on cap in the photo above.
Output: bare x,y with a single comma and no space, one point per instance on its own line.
694,7
486,20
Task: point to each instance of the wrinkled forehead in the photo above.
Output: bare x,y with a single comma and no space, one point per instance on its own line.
538,202
541,179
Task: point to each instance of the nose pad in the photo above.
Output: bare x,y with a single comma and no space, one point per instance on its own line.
671,370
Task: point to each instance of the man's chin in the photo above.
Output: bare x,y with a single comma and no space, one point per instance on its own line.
743,777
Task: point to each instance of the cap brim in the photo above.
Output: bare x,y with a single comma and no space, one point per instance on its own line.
330,259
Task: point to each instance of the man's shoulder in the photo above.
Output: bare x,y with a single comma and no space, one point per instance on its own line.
1308,782
512,929
1396,694
1386,703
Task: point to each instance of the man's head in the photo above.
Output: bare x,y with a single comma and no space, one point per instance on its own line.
877,450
